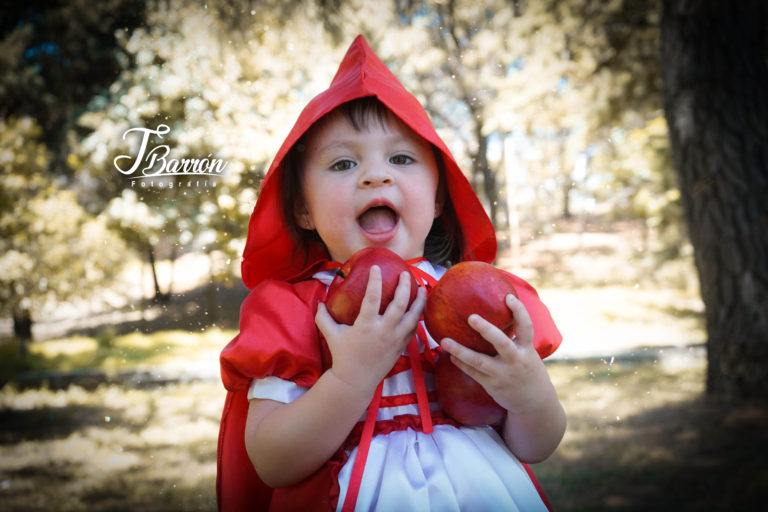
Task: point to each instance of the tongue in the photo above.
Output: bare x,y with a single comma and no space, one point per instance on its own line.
378,220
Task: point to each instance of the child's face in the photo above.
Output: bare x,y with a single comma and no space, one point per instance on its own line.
374,187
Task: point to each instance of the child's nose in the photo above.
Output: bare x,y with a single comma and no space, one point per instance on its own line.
375,176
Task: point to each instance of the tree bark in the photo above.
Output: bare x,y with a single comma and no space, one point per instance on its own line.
716,101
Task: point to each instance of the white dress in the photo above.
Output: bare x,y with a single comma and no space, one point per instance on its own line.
450,469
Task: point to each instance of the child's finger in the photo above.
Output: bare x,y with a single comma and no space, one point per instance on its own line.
402,293
524,327
475,364
324,321
412,316
492,334
372,297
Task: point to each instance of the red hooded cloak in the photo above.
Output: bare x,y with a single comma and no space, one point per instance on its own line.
270,264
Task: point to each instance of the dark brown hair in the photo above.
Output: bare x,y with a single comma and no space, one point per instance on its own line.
444,243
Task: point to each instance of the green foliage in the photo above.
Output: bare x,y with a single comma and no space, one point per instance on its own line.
54,56
106,338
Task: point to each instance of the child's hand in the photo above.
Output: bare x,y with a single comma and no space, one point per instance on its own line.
516,377
363,353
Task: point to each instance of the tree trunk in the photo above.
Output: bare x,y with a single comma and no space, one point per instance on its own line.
448,38
213,285
159,295
22,329
566,205
480,168
566,176
716,101
511,166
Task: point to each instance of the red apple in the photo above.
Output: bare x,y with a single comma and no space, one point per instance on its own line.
462,397
345,295
469,287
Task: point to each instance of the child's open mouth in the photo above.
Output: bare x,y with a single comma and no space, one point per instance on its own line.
378,220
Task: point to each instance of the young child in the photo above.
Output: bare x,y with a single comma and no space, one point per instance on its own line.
323,416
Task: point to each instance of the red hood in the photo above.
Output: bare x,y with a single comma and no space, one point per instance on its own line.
270,251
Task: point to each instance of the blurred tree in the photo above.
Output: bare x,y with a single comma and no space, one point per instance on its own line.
715,83
50,247
643,184
141,227
222,77
54,56
451,55
228,78
563,73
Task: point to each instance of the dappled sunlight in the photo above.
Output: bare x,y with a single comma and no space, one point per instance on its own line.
182,417
94,458
604,400
67,347
599,389
126,440
194,354
632,425
177,430
97,458
612,321
628,421
169,350
180,466
173,339
11,398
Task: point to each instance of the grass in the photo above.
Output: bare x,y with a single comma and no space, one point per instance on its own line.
110,449
640,435
605,461
171,351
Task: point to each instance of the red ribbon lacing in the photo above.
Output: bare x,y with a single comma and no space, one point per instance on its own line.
422,399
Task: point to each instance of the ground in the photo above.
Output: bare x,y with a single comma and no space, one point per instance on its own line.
640,437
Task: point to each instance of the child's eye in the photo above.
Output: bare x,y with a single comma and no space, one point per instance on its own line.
401,160
343,165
